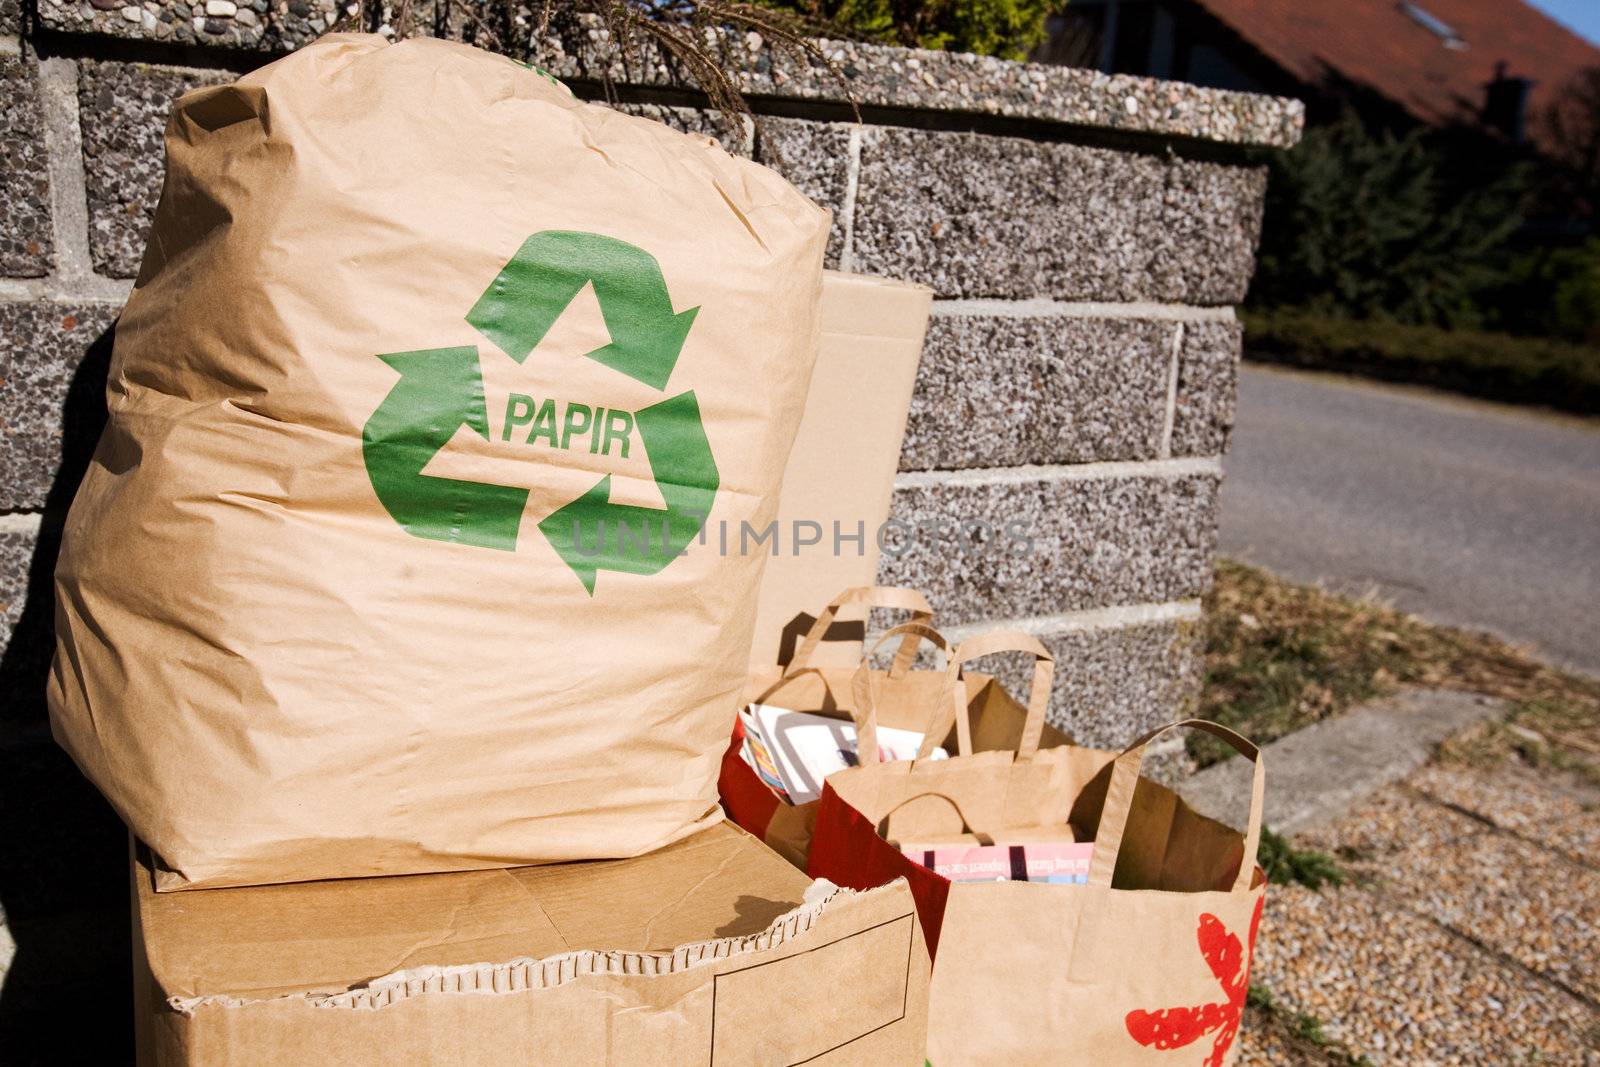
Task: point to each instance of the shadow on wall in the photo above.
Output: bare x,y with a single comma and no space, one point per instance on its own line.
67,994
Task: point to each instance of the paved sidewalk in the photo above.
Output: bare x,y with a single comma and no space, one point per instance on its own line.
1318,773
1470,933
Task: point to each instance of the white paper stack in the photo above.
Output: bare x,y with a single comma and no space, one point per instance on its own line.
795,751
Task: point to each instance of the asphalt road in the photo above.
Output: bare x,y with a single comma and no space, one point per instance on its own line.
1462,512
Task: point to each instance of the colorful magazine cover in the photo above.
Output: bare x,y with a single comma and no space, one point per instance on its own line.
1050,862
758,757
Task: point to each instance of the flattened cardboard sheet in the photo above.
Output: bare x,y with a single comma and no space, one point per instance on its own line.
843,463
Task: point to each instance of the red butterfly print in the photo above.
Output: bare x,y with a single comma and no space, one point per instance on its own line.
1177,1027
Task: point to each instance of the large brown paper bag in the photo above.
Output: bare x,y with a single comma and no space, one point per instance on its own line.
1151,955
388,559
916,700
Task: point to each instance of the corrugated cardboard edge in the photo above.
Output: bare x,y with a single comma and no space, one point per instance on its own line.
518,975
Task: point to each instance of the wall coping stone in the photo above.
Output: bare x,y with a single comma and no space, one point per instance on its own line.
880,76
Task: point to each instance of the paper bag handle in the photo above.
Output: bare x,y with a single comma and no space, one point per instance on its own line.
866,708
1044,672
1125,779
872,596
966,824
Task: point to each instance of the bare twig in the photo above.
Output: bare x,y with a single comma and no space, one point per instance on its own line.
702,39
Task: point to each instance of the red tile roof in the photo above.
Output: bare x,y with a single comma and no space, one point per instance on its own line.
1377,45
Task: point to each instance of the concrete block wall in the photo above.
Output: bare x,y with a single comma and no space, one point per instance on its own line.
1086,236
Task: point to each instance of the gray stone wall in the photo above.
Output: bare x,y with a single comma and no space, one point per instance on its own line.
1086,236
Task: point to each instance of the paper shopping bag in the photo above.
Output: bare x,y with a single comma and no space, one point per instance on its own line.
390,558
914,700
1150,955
997,721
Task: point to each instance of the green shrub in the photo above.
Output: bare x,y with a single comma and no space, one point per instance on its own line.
1524,370
1284,863
1553,292
1365,223
1005,28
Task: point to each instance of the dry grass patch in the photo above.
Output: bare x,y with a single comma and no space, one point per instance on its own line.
1280,656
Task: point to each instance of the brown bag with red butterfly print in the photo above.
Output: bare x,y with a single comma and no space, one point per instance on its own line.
1146,963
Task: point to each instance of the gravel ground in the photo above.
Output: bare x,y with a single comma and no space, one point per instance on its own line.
1560,811
1469,935
1514,897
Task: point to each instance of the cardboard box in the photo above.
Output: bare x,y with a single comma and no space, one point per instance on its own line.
710,951
844,461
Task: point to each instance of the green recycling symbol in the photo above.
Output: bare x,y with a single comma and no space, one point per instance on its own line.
441,389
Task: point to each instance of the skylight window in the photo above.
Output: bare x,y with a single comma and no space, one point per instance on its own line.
1435,25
